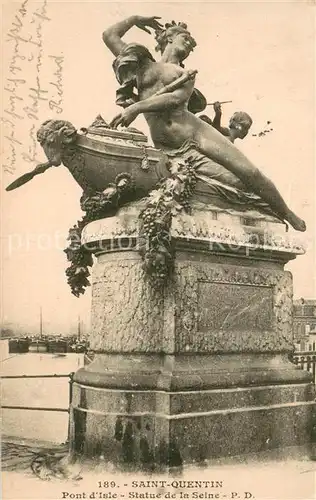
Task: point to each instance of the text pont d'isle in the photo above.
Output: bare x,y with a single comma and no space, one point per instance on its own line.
159,490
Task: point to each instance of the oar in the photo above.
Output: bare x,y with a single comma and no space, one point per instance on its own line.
222,102
176,84
29,176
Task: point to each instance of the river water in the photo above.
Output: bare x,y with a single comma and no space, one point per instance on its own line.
39,392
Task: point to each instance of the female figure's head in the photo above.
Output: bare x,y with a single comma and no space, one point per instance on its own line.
175,40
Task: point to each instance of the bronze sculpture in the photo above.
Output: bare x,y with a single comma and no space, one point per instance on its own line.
169,108
171,124
191,162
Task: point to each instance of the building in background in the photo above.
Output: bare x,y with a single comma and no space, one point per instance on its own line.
304,324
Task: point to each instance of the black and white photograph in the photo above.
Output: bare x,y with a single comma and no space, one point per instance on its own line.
158,288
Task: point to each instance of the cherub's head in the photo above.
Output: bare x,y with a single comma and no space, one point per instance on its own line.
240,123
175,38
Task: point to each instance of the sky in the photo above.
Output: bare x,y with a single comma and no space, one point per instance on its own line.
259,55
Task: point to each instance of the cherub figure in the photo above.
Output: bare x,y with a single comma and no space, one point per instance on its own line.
172,125
238,127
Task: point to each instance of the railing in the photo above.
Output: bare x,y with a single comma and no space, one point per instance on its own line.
41,408
88,357
306,360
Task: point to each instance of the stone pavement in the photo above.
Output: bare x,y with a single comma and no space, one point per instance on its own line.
17,454
270,477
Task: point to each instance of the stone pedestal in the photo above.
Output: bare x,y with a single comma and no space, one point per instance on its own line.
201,369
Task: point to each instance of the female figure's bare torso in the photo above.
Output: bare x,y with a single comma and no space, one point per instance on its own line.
169,128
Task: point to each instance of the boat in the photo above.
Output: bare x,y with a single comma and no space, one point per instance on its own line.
38,345
56,345
106,153
99,156
18,346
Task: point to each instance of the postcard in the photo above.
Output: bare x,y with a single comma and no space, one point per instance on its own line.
158,325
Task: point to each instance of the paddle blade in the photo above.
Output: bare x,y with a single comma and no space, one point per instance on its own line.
40,169
20,181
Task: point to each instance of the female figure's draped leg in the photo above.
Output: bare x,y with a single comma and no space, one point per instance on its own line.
218,148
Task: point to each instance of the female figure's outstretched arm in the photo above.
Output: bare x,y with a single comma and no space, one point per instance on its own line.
112,36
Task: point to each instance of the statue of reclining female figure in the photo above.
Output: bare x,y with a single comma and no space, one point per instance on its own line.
172,126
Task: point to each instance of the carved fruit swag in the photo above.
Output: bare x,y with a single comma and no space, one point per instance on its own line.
171,196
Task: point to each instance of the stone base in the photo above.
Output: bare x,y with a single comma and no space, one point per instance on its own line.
199,369
172,410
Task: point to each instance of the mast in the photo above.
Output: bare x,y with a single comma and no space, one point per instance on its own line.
79,325
41,322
